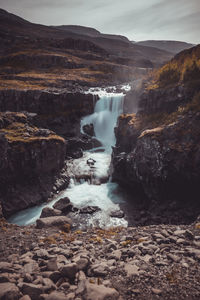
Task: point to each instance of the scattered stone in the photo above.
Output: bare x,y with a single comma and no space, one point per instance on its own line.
131,270
9,291
156,291
26,297
69,271
32,290
56,296
99,292
52,264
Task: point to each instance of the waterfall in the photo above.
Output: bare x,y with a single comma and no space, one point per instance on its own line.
103,193
104,119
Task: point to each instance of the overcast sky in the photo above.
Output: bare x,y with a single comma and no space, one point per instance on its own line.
136,19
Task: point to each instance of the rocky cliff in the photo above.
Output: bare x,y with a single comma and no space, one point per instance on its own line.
157,150
60,112
30,160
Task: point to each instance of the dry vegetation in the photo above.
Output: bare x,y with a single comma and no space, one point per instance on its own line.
184,68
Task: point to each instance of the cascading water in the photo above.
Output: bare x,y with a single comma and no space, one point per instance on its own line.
104,118
98,191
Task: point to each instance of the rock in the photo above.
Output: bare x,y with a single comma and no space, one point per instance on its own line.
189,235
117,214
101,269
70,296
9,291
64,205
5,267
99,292
156,291
49,212
91,162
36,160
174,258
56,296
52,264
55,276
82,264
89,129
69,271
48,285
116,254
31,267
142,159
89,210
42,253
32,290
52,221
4,278
131,270
26,297
194,252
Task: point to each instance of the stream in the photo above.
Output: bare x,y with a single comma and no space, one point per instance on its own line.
98,190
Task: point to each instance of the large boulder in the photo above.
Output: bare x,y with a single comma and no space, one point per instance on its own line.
53,221
50,212
63,205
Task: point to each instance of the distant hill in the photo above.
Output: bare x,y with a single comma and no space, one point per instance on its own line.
39,56
83,30
170,46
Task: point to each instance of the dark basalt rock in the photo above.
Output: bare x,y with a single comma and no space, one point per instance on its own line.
76,145
50,212
164,100
29,163
164,162
89,210
117,214
55,111
63,205
89,129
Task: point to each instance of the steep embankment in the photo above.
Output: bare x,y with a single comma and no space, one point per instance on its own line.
31,159
158,149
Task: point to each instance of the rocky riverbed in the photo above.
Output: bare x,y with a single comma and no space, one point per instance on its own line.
150,262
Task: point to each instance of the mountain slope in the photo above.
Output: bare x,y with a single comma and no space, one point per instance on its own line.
170,46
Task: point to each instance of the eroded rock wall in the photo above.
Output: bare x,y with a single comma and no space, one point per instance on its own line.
30,161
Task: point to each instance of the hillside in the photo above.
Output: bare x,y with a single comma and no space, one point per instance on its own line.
170,46
35,56
184,68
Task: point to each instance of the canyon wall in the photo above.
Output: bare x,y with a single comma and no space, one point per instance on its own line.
30,161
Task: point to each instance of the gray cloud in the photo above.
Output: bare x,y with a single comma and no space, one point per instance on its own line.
138,20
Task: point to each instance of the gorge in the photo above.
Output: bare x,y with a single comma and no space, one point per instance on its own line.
99,165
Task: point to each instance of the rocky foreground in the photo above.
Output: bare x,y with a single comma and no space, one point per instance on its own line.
152,262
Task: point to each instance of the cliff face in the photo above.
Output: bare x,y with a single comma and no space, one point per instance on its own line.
60,112
163,161
157,150
30,160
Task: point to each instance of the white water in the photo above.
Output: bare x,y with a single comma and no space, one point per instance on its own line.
104,118
105,196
